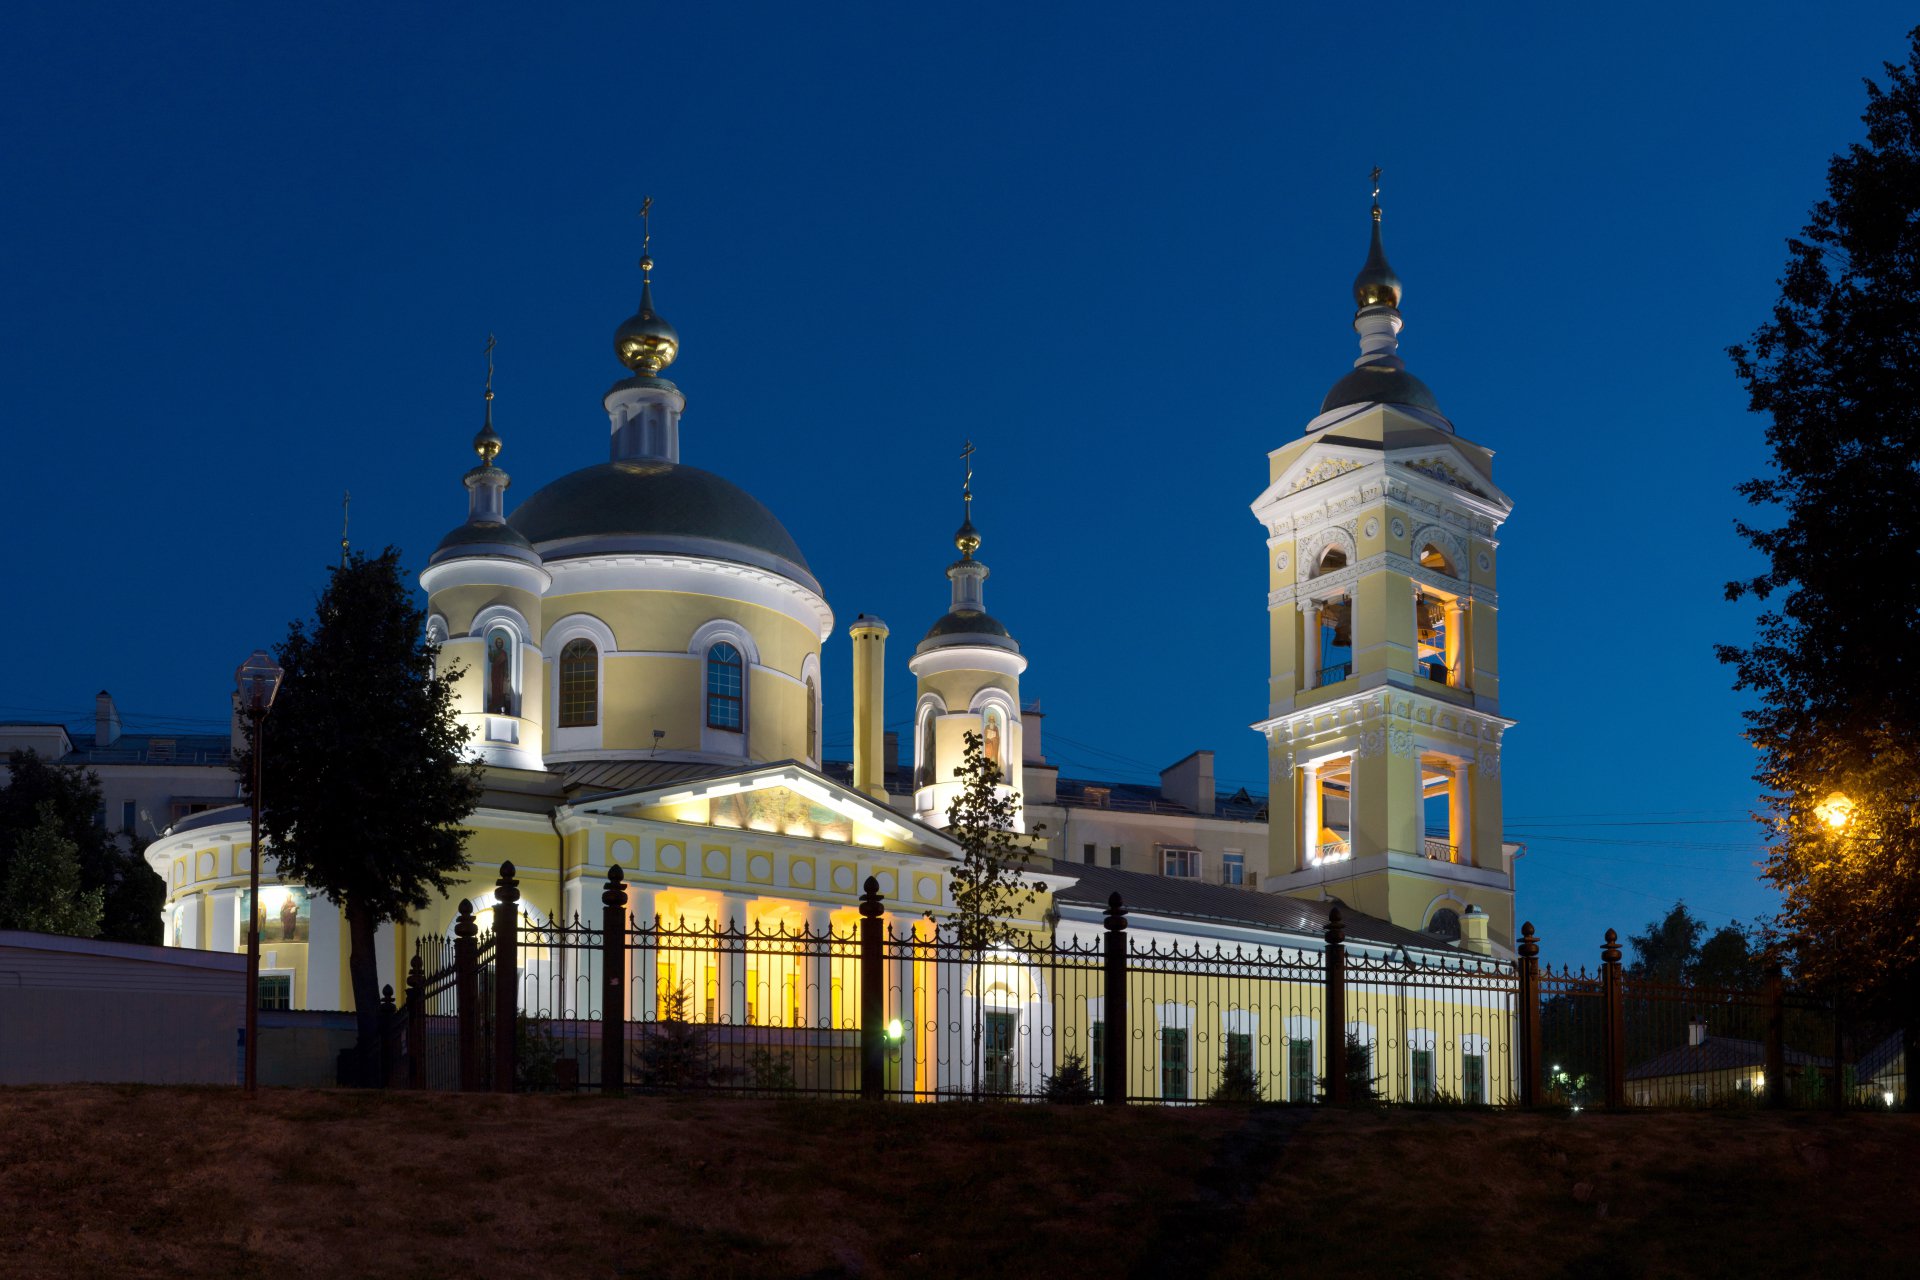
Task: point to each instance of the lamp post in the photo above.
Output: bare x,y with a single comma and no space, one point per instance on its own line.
258,679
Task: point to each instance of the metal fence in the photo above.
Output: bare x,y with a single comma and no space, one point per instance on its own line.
901,1009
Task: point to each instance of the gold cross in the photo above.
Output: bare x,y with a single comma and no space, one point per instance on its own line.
966,486
1376,182
646,235
492,342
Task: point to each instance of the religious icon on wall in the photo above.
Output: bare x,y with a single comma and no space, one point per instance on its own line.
499,674
993,733
286,914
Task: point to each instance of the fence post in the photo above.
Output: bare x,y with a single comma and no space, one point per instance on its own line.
416,1024
389,1035
506,976
1113,1049
613,963
1839,1050
1776,1040
1613,1022
1334,1014
1527,1030
466,994
873,994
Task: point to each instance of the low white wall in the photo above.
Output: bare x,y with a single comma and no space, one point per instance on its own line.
76,1009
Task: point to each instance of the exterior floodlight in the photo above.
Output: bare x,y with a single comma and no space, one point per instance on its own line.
895,1030
1836,810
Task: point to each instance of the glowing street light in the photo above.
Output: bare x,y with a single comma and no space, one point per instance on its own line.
1836,810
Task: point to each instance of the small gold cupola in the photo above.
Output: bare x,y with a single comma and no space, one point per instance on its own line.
645,343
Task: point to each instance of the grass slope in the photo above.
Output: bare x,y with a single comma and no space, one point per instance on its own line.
197,1182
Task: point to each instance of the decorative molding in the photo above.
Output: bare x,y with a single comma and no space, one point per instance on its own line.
1447,542
1446,473
1397,527
1322,471
1372,528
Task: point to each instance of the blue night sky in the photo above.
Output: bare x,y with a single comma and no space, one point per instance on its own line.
251,255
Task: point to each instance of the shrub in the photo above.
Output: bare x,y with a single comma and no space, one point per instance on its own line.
1072,1085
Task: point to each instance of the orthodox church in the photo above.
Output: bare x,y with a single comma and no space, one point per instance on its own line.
639,651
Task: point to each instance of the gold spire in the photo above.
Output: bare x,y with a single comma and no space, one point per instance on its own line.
968,538
644,342
487,443
1376,285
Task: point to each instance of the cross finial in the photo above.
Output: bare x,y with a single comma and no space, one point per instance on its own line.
646,239
1376,184
966,485
346,504
492,342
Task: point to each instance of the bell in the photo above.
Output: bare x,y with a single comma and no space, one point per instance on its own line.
1343,631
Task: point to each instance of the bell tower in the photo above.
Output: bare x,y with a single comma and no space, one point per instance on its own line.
1383,723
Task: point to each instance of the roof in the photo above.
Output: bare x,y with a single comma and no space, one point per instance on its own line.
1147,894
1879,1058
594,777
484,534
967,622
655,499
1146,797
1716,1053
1380,383
210,750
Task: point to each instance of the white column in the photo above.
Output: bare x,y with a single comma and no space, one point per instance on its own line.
223,922
1460,813
1456,613
323,956
1309,813
733,959
1309,644
643,961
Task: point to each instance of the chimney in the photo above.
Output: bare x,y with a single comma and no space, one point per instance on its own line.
890,753
869,706
1190,783
1030,752
106,720
1473,931
1697,1031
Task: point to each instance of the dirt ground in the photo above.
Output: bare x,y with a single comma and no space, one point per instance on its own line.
110,1181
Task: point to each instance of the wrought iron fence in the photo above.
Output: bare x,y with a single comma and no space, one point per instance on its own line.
900,1008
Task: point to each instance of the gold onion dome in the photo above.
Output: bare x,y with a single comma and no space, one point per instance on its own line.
644,342
967,539
487,442
1376,285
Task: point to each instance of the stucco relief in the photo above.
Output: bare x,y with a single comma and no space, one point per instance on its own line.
1371,743
1448,543
1446,473
1400,742
1489,762
1323,471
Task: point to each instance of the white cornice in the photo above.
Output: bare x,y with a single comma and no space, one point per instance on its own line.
967,657
690,575
484,571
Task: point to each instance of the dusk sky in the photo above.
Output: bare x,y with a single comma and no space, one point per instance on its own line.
251,255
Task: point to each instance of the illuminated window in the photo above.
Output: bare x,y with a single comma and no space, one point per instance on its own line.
579,685
724,686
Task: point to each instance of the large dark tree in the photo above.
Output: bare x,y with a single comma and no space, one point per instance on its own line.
131,895
1835,662
365,779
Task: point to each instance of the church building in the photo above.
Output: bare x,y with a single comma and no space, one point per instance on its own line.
639,643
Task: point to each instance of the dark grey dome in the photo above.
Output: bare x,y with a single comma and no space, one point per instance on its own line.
968,622
474,535
1380,383
654,500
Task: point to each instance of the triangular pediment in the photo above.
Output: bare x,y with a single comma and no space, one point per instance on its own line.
786,798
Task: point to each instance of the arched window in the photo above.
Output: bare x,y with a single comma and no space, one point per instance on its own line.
579,685
813,719
924,773
725,682
503,690
1333,558
1432,557
1445,924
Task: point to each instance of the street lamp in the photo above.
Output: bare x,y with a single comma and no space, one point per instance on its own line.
1836,810
258,679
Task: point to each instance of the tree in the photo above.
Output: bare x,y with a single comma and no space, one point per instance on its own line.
1835,662
1238,1083
41,889
131,894
988,888
676,1053
365,776
1672,950
1072,1085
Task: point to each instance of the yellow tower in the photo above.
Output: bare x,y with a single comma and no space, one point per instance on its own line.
968,681
1383,726
869,637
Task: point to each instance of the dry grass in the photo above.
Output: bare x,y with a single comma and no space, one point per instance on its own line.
119,1181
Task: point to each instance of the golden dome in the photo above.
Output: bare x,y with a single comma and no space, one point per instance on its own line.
967,539
644,342
1376,285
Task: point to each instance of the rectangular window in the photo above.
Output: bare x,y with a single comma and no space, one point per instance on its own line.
276,991
1113,858
1173,1062
1089,853
1182,864
1240,1052
1233,867
1299,1071
1097,1056
1423,1075
127,815
996,1052
1473,1080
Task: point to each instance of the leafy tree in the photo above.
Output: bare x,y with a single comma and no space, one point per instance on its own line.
1835,663
989,890
366,780
1672,950
1072,1085
131,894
41,888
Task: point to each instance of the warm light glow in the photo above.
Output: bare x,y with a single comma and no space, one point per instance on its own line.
1887,1097
895,1030
1836,810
